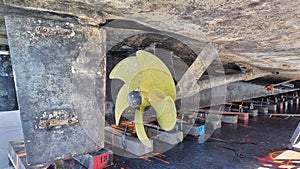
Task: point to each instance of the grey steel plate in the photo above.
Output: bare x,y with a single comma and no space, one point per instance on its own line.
59,70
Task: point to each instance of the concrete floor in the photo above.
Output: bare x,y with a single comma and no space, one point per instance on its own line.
232,146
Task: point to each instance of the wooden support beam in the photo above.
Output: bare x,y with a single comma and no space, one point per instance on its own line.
218,112
285,115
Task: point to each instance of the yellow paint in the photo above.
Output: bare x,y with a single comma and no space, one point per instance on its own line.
151,77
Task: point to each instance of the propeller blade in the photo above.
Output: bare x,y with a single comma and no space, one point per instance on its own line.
134,82
152,79
155,84
121,103
125,69
156,98
165,109
140,130
147,60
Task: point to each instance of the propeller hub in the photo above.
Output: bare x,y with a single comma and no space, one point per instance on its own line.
134,99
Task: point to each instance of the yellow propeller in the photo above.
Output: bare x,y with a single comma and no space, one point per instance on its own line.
147,82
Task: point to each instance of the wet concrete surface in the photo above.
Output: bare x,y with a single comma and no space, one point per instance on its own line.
229,147
243,145
232,146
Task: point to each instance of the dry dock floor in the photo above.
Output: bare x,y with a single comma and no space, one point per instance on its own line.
249,145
